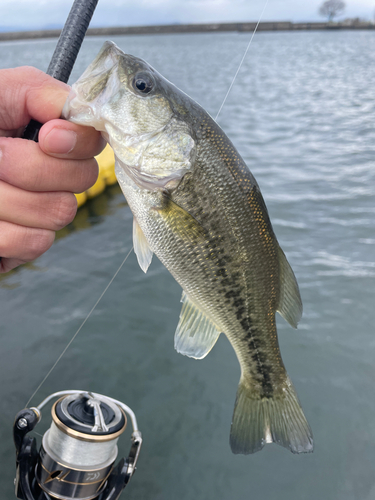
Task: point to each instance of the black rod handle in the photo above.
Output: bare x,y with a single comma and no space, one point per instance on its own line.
66,51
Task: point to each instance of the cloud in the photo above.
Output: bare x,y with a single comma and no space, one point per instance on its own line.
34,14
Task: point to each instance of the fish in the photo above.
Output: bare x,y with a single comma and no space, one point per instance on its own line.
198,208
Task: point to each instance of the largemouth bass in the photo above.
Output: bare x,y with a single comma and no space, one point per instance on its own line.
199,209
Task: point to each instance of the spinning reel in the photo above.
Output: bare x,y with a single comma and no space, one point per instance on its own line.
78,451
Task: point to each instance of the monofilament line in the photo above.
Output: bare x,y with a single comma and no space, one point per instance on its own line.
79,329
242,60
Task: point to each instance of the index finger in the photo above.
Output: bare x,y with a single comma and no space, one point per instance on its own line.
27,93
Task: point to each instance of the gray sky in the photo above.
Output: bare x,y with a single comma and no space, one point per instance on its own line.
33,14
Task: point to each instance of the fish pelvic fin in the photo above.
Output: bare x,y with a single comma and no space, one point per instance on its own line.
279,419
195,334
290,303
141,247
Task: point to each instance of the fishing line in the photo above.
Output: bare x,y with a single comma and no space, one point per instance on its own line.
123,262
242,60
79,329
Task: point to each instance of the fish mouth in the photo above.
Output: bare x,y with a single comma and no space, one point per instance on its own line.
94,88
80,112
107,76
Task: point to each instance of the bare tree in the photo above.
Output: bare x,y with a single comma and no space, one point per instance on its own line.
332,8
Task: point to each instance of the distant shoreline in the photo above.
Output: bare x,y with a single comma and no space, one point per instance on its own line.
192,28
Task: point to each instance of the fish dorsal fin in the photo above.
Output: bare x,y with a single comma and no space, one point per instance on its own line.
141,247
196,334
290,303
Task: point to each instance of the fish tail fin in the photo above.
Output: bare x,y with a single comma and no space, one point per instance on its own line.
279,419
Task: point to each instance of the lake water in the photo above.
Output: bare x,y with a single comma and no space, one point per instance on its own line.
302,114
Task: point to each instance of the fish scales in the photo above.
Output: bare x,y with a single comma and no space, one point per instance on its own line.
200,210
221,213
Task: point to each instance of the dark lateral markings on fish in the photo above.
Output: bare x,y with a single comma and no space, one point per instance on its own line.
197,206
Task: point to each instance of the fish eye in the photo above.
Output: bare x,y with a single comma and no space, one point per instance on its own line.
143,82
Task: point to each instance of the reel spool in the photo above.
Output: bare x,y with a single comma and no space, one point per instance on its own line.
77,454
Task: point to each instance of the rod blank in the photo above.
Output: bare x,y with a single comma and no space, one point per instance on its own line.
71,39
66,51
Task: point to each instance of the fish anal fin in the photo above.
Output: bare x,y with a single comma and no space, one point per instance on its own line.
141,247
195,334
290,303
279,419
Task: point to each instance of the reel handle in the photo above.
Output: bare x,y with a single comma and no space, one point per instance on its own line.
26,452
24,422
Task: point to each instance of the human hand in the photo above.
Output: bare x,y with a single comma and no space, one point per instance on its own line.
37,180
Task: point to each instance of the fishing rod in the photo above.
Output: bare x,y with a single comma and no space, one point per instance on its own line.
66,51
78,452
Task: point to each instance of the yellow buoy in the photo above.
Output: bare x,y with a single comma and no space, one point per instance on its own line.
81,198
106,176
97,188
106,161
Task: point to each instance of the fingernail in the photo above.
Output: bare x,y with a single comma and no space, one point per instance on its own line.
60,141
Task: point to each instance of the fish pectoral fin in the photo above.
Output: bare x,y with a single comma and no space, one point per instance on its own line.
141,247
181,222
290,303
196,334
